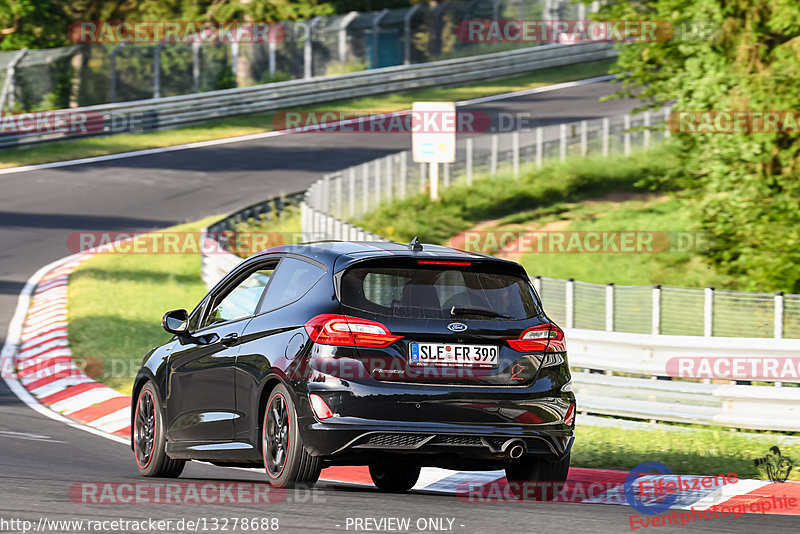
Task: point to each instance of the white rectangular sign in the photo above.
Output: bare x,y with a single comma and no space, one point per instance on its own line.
433,132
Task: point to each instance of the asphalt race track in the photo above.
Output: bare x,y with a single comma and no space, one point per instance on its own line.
40,459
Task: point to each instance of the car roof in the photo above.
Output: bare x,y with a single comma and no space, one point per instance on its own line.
329,251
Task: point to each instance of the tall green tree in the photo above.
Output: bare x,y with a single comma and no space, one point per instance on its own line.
745,55
33,24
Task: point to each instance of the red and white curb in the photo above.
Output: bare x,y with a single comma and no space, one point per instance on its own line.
37,365
45,367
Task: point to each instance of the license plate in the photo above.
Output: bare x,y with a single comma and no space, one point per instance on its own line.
453,354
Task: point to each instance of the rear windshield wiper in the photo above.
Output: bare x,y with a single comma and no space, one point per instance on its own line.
466,310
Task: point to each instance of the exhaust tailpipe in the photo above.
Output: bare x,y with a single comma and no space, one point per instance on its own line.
513,448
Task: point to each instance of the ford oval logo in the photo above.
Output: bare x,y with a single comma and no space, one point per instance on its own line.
456,327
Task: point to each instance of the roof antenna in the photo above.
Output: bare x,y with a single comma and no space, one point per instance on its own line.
415,244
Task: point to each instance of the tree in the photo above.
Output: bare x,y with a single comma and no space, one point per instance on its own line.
33,24
746,183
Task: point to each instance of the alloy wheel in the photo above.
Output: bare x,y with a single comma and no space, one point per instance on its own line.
276,435
145,429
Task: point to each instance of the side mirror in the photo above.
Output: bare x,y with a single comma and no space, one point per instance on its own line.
176,322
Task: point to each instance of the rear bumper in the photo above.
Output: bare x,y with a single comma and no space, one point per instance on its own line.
348,438
438,424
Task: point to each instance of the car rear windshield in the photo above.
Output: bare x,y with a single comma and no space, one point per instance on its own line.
438,292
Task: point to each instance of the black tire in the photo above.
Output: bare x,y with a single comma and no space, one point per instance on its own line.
286,460
536,479
394,477
149,441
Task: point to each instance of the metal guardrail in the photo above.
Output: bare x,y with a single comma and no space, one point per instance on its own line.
220,262
271,206
172,112
644,396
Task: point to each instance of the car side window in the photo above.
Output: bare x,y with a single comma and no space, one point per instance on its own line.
292,280
242,301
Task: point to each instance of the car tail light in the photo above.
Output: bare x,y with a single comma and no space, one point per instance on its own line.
545,337
320,407
569,418
440,262
330,329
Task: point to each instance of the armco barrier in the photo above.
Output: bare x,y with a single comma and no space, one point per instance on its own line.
171,112
642,395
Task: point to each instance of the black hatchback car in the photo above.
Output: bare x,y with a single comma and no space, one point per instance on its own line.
389,355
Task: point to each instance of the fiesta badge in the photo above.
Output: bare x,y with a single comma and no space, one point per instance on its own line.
456,327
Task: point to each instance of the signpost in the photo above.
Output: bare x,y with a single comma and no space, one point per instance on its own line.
433,137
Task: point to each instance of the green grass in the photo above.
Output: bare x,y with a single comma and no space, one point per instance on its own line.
257,123
581,195
115,305
460,207
659,214
697,451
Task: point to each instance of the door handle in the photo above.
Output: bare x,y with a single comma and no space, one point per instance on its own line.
230,340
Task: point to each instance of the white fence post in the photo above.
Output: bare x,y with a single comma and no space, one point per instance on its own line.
303,220
656,309
569,302
539,146
627,136
708,312
515,153
434,189
351,193
537,285
778,315
326,193
339,199
563,141
378,188
469,161
389,178
423,177
365,189
610,307
493,156
646,140
403,174
584,137
307,50
606,135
